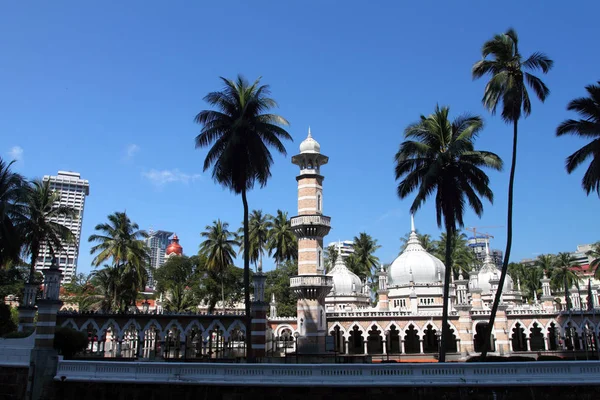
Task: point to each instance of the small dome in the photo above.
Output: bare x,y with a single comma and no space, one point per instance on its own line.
174,247
310,145
415,264
489,272
345,282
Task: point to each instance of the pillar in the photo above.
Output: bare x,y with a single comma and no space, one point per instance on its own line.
258,327
27,308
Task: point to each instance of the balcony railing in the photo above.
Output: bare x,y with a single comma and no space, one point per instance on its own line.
310,220
311,280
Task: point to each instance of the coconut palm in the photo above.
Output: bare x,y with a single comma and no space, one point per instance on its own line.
587,127
12,191
594,253
180,299
240,132
438,156
463,256
331,255
259,227
508,86
531,280
111,285
364,248
545,262
282,244
121,241
39,226
425,239
218,248
562,273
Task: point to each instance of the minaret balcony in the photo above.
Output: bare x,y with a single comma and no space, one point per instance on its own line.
311,225
311,286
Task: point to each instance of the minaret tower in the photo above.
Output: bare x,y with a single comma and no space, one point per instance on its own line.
310,226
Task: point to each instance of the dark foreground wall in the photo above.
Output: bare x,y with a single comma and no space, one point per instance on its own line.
105,391
13,382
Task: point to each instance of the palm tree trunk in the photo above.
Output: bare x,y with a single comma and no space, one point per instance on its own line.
247,279
566,283
223,291
448,260
509,232
35,250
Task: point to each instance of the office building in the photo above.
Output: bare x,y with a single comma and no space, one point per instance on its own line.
157,242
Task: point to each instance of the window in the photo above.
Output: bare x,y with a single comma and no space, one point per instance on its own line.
319,205
319,259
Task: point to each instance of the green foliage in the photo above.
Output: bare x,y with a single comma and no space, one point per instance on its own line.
69,341
7,324
278,283
259,227
12,280
283,243
82,293
365,262
463,257
588,127
426,241
177,279
212,287
12,195
331,255
594,253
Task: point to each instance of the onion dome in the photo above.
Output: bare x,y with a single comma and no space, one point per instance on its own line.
489,271
174,247
310,145
415,264
345,282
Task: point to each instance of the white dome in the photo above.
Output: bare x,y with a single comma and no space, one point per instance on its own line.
416,265
310,145
345,282
488,272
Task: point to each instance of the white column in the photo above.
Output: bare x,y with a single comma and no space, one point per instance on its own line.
384,347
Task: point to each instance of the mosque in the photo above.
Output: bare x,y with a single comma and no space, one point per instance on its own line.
337,313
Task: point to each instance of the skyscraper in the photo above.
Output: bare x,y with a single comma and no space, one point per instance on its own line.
478,246
157,242
72,190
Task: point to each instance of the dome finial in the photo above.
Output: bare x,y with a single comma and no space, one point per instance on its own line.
309,135
412,222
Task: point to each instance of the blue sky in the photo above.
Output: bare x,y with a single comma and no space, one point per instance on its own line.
110,89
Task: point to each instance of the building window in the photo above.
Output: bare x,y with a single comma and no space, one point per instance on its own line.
319,259
319,205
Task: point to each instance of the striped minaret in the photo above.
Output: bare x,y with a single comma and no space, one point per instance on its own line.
48,307
27,308
258,327
310,226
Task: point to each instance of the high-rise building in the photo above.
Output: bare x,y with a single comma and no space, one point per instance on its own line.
478,245
344,248
72,190
157,242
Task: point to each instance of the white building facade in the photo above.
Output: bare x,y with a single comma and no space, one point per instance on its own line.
73,191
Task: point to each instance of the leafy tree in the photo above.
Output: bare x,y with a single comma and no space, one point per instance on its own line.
81,292
209,286
7,325
113,285
69,341
38,223
587,127
278,283
531,281
282,243
507,86
12,193
121,241
12,278
364,248
438,156
331,255
545,262
241,131
562,272
594,253
463,256
425,239
259,228
218,249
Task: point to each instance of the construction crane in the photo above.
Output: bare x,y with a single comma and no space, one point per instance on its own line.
474,229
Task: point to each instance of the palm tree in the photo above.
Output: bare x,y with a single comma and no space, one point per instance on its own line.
241,131
331,255
586,127
545,262
282,243
121,241
110,284
38,224
438,156
562,272
425,239
594,253
507,86
259,227
531,279
364,248
12,191
463,256
217,247
180,299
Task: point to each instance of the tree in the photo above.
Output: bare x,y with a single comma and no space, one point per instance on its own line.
259,227
594,253
282,243
531,280
241,131
438,156
176,278
38,225
562,272
12,193
208,288
278,284
587,127
121,241
507,87
364,248
218,249
331,255
111,286
425,239
463,256
81,292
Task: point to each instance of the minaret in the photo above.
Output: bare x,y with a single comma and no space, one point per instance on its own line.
310,226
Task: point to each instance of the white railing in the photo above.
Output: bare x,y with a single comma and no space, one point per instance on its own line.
311,280
16,352
401,374
310,219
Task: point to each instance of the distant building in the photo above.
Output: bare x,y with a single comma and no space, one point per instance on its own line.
72,190
477,243
345,248
157,242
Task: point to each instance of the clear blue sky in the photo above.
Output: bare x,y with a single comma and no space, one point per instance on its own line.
110,89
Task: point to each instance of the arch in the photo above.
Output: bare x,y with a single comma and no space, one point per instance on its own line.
518,337
192,325
88,322
338,325
411,337
415,326
479,329
237,324
173,324
394,339
356,339
282,327
571,323
375,339
132,323
553,334
376,324
107,324
215,324
70,322
523,326
358,326
536,337
430,338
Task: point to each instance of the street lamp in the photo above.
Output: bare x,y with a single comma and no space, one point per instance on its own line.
296,335
145,306
438,335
